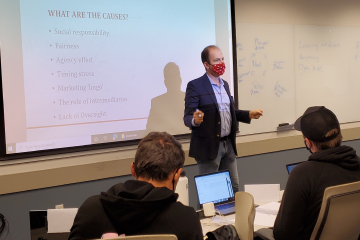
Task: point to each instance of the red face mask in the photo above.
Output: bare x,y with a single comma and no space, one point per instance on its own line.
218,68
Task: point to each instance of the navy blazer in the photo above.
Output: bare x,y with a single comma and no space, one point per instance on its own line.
205,139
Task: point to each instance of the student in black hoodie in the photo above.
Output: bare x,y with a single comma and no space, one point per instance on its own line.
146,205
329,164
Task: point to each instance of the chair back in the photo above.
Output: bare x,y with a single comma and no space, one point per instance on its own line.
339,216
244,215
147,237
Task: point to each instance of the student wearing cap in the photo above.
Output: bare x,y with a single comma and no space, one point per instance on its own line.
329,164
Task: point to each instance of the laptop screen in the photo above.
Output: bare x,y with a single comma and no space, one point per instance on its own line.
214,187
291,166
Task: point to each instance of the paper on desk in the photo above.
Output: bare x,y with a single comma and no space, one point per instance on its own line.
264,192
60,220
211,223
266,214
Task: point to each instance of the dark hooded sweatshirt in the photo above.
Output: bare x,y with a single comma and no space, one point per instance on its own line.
135,208
305,188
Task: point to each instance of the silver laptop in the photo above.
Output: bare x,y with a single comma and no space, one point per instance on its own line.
217,188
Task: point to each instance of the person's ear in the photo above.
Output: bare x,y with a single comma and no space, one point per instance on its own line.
308,142
177,176
206,65
132,169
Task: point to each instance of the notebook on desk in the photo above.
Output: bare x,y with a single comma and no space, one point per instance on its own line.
217,188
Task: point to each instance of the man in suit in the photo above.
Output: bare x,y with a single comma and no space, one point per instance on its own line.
211,115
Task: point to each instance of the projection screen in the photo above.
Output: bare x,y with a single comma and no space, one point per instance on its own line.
78,73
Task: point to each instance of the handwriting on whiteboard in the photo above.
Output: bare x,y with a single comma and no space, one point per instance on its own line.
256,87
279,90
278,65
305,68
260,44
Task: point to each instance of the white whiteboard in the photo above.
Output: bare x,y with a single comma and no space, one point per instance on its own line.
284,69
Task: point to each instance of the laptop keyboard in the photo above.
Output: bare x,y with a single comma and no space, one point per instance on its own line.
225,206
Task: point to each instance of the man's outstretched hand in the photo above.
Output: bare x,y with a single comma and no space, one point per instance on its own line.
255,114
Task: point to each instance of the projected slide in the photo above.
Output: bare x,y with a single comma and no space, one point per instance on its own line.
96,72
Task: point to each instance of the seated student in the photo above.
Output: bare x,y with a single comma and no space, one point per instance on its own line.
146,205
329,164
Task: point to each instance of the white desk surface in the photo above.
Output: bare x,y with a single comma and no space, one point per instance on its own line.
228,219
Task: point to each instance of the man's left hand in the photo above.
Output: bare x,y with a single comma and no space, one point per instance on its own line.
255,114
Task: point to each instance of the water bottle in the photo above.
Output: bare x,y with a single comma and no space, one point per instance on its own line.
182,189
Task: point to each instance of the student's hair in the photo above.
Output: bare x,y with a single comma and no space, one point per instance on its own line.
158,155
205,53
331,143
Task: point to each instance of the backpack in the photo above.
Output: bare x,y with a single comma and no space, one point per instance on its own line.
226,232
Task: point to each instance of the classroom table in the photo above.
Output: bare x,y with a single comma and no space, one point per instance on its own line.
210,224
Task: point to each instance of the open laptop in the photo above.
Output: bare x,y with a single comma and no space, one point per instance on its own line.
291,166
217,188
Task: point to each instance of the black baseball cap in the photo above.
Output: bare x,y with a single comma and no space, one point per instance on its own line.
316,122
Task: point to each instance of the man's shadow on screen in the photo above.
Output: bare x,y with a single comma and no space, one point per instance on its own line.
167,110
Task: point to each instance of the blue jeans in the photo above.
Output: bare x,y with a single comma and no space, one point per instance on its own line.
225,160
